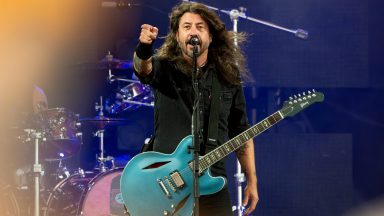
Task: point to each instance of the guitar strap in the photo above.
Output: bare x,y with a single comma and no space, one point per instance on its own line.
211,142
213,125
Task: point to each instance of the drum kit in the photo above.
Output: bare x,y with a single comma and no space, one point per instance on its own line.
56,135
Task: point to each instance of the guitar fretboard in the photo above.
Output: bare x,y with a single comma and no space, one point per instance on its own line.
222,151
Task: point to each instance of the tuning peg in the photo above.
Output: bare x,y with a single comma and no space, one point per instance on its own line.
290,98
303,93
294,96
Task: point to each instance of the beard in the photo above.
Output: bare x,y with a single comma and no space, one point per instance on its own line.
189,52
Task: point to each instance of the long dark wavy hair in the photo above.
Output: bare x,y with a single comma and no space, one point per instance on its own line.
229,59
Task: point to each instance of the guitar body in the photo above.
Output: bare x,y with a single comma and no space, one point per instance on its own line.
153,183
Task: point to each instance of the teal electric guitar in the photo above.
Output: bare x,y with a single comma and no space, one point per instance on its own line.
155,184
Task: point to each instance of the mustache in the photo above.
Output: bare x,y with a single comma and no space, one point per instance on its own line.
193,40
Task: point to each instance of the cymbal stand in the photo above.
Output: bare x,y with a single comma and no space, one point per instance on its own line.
37,168
101,160
100,134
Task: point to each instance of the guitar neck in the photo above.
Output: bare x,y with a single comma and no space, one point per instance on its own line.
230,146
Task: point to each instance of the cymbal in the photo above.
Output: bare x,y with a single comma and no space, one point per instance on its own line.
104,64
113,63
102,121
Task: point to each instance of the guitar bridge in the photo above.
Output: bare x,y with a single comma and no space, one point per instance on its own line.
177,179
162,186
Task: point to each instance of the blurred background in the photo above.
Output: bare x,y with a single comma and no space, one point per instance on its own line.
327,160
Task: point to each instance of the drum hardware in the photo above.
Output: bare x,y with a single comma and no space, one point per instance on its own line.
100,158
62,171
130,97
101,122
36,176
37,136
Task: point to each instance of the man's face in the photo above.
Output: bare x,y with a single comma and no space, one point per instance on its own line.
192,24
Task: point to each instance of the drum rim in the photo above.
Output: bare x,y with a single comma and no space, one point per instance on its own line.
61,183
56,108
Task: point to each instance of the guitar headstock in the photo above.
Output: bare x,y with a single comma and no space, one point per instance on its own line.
299,102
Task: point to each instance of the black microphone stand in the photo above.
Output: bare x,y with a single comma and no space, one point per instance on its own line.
197,137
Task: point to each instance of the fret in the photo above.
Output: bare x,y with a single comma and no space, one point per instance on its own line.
246,135
260,127
208,160
276,117
227,148
212,156
238,142
231,145
204,162
251,132
255,130
201,162
223,152
243,139
266,123
218,154
280,115
220,149
271,120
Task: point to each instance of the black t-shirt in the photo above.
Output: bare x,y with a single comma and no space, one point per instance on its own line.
174,98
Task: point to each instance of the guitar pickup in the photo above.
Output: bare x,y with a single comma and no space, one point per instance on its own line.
177,179
169,184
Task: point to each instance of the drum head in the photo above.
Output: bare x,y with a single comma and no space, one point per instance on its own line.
89,195
104,195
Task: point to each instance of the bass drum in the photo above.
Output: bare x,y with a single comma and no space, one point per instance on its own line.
88,194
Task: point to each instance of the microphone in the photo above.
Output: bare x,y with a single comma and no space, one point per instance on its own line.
302,34
194,40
